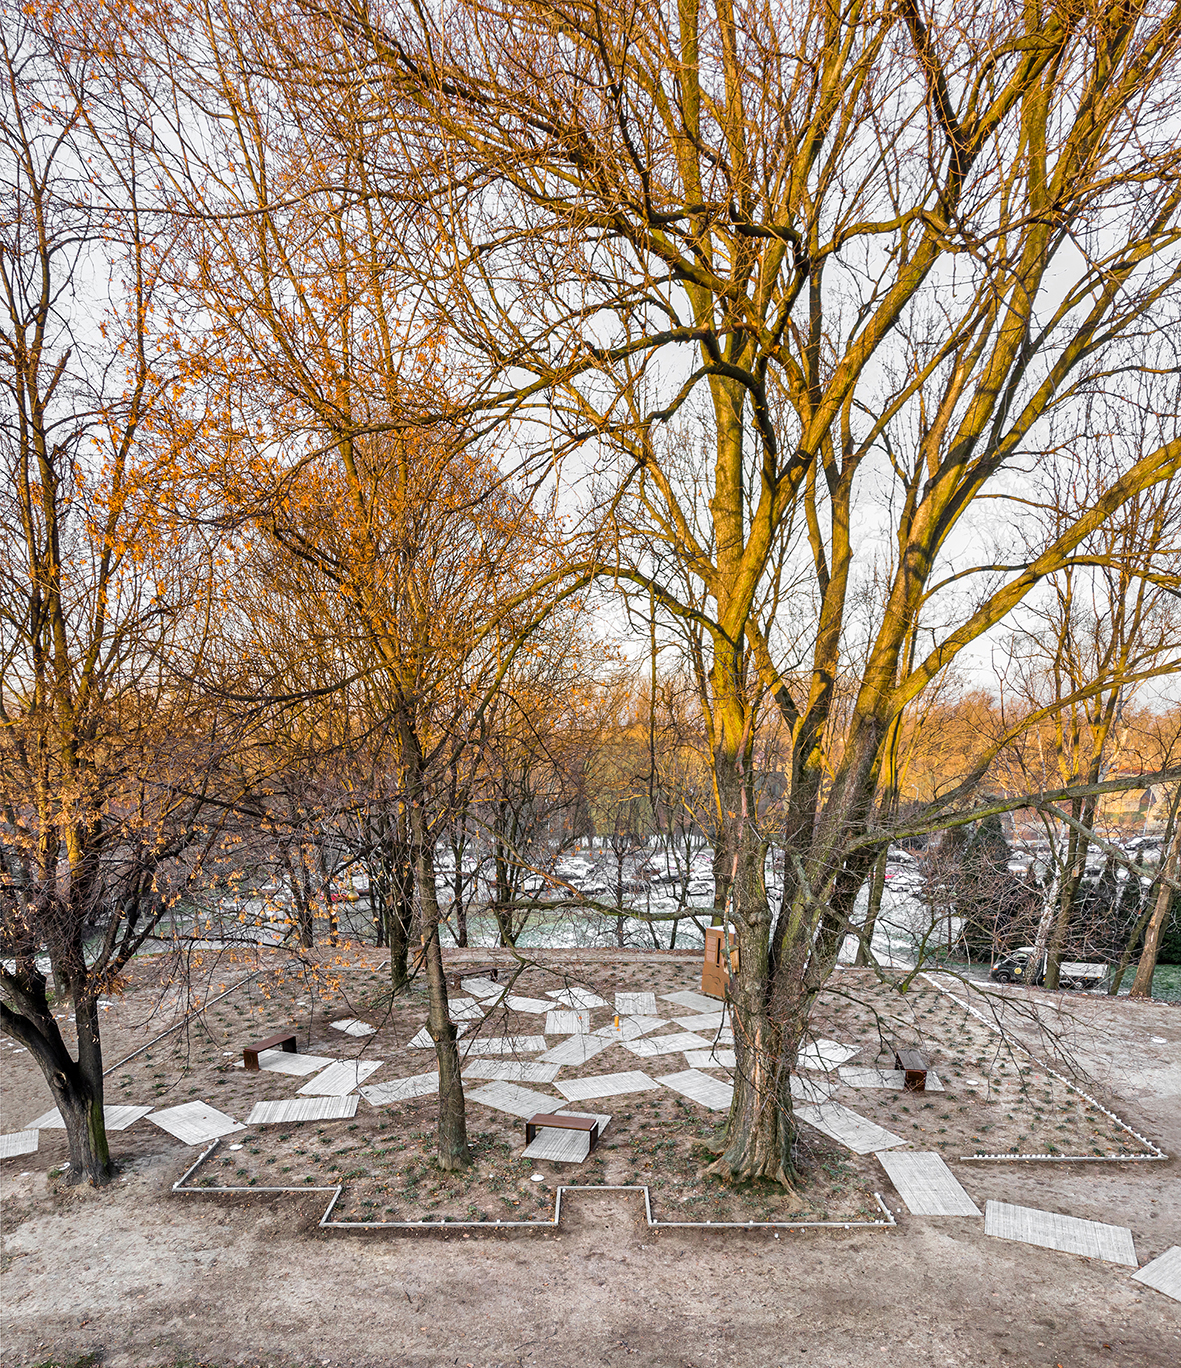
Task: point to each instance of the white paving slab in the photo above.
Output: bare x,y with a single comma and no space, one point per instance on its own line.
826,1054
507,1097
629,1028
884,1078
558,1146
401,1089
1163,1273
711,1059
502,1045
464,1009
860,1134
1051,1230
648,1047
707,1024
298,1065
423,1041
482,987
536,1006
563,1146
814,1090
635,1004
695,1002
581,999
605,1085
700,1087
302,1109
511,1070
19,1142
575,1050
351,1026
927,1185
50,1120
345,1076
115,1118
195,1123
567,1023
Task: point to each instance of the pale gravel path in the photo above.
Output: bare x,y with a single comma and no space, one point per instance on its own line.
152,1277
245,1283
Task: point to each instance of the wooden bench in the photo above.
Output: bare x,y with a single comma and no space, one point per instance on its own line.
251,1053
914,1066
559,1121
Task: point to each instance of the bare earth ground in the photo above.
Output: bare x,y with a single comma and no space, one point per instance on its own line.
138,1275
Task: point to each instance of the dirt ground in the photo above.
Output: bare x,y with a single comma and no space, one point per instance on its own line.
138,1275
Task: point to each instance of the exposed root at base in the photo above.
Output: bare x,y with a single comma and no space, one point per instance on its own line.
730,1172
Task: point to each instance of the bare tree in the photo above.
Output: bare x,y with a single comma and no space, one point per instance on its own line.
1101,631
107,747
926,236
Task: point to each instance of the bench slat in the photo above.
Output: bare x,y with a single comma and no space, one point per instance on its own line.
914,1065
560,1121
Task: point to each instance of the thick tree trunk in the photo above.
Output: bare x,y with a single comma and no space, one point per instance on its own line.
759,1127
82,1110
77,1086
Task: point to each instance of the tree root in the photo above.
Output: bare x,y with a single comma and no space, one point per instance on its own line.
731,1171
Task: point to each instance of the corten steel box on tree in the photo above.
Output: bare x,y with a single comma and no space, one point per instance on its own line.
716,968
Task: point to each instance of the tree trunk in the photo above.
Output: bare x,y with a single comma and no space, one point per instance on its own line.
398,931
619,851
1142,983
759,1128
397,915
398,935
452,1127
1130,948
1076,863
77,1086
723,863
82,1111
877,886
505,892
391,892
304,921
457,851
453,1149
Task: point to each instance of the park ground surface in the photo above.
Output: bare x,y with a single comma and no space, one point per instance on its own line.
136,1275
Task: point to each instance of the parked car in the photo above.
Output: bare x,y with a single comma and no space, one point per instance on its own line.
1018,967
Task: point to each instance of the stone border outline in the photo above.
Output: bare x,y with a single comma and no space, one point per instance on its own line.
1156,1152
183,1188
